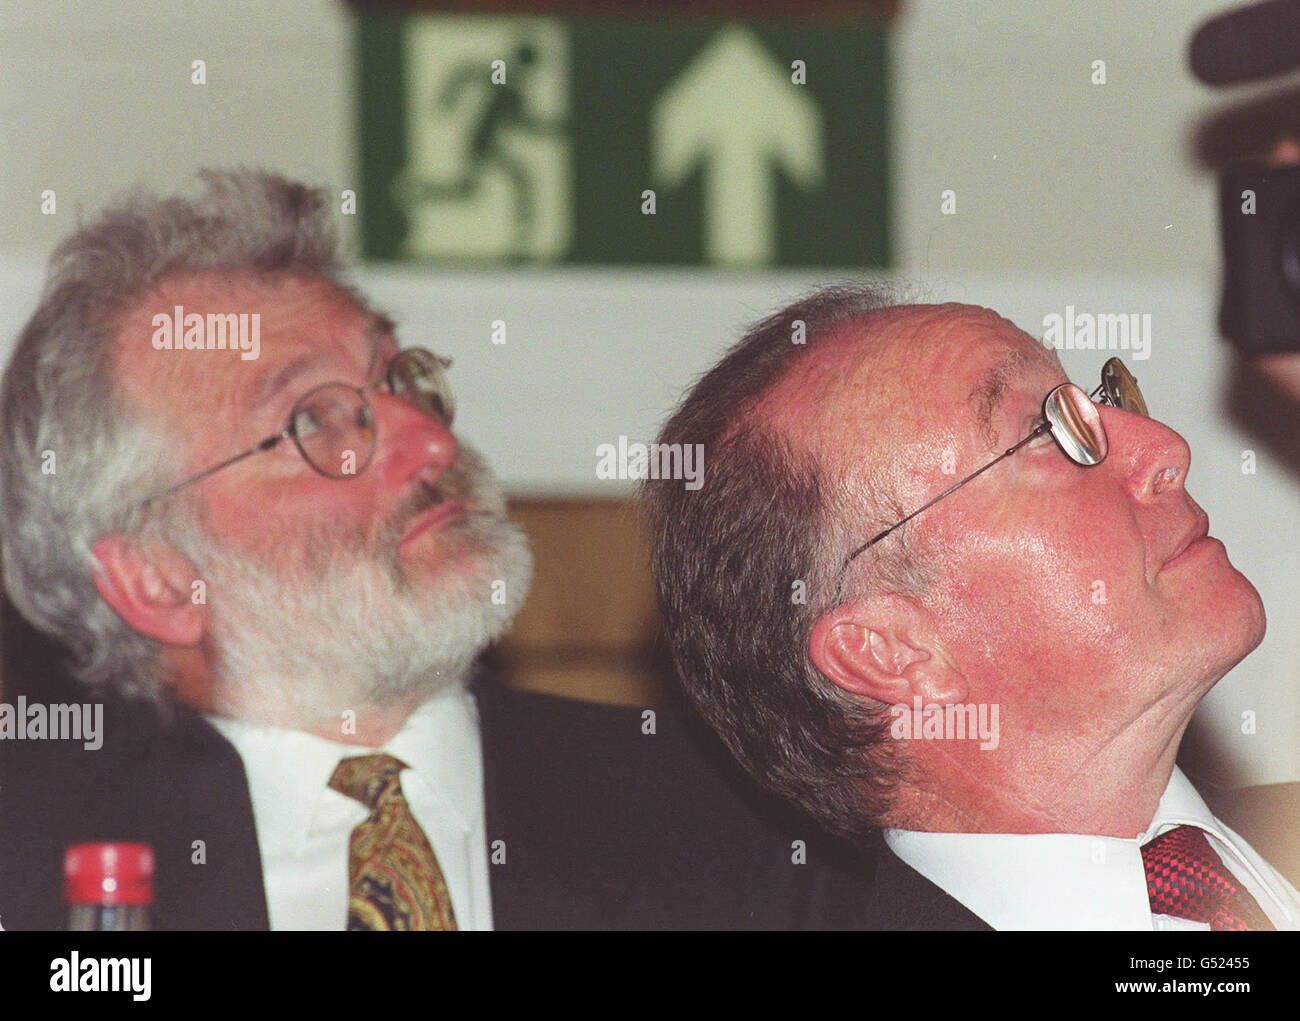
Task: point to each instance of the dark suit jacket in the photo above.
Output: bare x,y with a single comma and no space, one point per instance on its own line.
903,900
604,827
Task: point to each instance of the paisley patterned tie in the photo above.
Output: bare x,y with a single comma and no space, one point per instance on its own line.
394,879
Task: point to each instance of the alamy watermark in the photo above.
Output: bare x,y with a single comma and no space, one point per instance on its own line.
651,461
77,974
216,331
1103,331
963,721
36,721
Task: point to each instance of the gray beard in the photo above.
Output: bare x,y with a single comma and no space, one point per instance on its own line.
348,631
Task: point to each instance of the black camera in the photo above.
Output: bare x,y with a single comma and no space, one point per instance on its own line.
1259,205
1259,212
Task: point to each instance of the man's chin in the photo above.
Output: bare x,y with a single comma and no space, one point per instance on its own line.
425,567
353,634
1251,610
1259,622
370,653
1237,624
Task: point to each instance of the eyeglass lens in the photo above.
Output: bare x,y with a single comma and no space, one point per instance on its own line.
1121,388
420,378
334,425
1076,422
335,430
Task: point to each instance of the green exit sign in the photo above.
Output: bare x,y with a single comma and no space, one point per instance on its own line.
608,141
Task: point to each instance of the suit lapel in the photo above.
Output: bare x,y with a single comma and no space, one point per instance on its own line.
193,805
903,899
210,869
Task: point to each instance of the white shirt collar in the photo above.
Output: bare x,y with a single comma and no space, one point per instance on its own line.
1046,881
289,770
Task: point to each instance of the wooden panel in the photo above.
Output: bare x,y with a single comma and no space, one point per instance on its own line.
592,589
589,628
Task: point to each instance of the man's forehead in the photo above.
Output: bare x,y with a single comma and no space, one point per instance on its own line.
953,351
893,371
310,352
299,321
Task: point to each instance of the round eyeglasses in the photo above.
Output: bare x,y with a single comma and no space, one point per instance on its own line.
333,425
1071,417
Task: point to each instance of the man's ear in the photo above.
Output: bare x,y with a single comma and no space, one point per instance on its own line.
149,584
885,648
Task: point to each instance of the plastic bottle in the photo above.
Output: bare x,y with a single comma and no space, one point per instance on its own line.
109,887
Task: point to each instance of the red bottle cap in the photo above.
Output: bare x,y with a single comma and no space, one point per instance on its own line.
108,874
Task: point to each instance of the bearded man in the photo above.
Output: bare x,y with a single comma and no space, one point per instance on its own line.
239,505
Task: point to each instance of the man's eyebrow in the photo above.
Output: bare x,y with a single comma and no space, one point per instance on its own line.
989,391
379,329
271,386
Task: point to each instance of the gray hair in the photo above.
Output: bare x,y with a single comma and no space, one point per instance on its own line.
75,460
728,556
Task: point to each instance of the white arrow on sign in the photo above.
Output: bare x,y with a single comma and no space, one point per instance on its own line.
735,111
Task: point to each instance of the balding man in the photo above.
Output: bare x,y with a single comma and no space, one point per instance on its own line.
932,590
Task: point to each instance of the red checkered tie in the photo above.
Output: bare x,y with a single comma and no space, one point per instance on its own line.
1186,879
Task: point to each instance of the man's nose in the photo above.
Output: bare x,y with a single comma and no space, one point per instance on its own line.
1152,457
409,441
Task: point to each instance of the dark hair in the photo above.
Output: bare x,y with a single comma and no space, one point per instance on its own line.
727,558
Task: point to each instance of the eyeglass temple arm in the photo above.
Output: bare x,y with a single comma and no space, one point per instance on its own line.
266,444
1038,431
